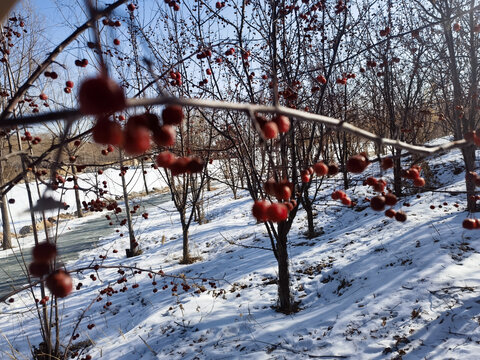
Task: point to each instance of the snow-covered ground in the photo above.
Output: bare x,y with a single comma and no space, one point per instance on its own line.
369,287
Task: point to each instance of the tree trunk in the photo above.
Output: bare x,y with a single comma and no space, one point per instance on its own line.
344,162
133,251
307,206
77,193
186,255
397,173
284,296
469,160
144,177
7,238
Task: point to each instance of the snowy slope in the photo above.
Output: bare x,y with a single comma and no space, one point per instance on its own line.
369,287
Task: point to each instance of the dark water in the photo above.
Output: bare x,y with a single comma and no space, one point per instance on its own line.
83,236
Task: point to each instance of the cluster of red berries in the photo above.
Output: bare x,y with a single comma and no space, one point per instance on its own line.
230,52
43,301
51,74
173,4
219,4
340,7
357,163
28,137
321,169
271,129
81,63
58,282
379,202
385,31
264,210
179,165
177,78
343,197
108,150
378,185
471,224
321,79
68,87
387,163
102,96
204,54
281,190
414,174
111,23
473,136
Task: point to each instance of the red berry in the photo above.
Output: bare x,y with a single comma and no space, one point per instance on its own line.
59,283
419,182
164,135
320,168
165,159
469,224
44,252
400,216
305,177
357,164
332,170
277,212
116,42
390,199
195,165
269,186
339,195
412,174
379,186
321,79
107,131
179,166
283,123
270,130
387,163
101,95
390,213
172,115
377,203
39,269
283,192
43,96
259,210
137,140
69,84
371,181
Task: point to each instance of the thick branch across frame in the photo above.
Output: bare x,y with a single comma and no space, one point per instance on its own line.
330,122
